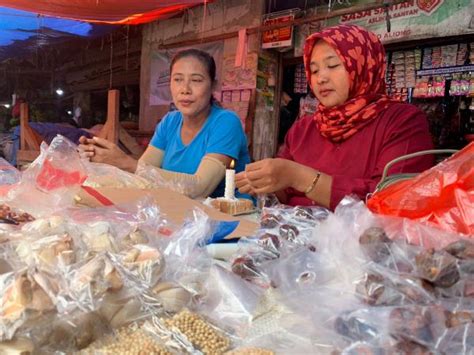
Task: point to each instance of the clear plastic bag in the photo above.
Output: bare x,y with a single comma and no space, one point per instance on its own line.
187,260
104,175
362,284
229,301
24,297
134,339
155,177
9,175
51,181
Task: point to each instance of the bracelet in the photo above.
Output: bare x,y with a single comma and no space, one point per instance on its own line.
313,183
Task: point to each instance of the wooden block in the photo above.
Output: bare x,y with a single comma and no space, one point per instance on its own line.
232,207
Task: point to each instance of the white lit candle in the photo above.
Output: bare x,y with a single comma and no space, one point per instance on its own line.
229,193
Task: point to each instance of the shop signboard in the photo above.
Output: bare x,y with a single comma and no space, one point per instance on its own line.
278,37
409,20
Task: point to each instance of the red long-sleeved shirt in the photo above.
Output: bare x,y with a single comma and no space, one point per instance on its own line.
356,165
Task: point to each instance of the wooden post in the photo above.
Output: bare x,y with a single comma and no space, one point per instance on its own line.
30,141
23,124
111,128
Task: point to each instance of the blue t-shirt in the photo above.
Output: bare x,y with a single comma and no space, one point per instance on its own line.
222,133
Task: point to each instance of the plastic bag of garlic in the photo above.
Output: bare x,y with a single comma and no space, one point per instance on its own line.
87,279
79,263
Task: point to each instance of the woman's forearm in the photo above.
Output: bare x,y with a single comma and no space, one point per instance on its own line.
127,163
303,178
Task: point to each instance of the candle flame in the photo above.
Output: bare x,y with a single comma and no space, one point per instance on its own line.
232,164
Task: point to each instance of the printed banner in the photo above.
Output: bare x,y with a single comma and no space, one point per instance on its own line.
409,20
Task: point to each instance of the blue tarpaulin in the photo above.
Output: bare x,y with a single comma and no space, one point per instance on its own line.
22,32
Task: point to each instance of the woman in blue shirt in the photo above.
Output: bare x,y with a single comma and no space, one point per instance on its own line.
194,144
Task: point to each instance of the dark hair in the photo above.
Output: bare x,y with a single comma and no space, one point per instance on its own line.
205,58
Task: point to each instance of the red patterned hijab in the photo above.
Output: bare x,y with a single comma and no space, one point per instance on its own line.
363,56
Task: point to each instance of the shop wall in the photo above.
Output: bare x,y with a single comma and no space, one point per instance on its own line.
196,24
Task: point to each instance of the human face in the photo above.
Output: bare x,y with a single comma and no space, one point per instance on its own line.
191,87
329,77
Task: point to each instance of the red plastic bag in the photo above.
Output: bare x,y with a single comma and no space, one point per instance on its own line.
443,195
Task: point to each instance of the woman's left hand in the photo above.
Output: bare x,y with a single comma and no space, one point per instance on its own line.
266,176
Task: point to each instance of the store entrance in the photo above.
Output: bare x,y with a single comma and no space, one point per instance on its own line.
297,100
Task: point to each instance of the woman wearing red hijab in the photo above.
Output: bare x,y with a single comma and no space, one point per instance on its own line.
343,148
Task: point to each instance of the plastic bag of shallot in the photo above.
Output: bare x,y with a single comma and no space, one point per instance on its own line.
380,284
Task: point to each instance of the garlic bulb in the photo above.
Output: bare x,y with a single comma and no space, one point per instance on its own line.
172,296
46,226
144,262
19,346
136,237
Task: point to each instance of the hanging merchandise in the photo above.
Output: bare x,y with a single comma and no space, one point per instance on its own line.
471,55
460,85
421,88
462,54
300,83
439,87
401,73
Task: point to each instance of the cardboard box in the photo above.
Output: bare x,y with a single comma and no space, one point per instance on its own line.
174,205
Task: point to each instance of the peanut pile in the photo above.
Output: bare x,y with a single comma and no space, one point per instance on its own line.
199,332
